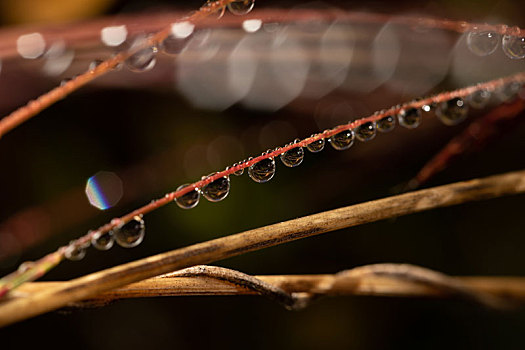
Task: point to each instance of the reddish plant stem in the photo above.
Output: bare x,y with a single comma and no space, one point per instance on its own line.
475,134
90,31
393,111
34,107
16,278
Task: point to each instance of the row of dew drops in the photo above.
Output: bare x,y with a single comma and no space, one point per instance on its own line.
143,57
451,112
481,43
484,43
131,233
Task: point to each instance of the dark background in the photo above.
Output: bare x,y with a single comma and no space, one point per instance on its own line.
156,140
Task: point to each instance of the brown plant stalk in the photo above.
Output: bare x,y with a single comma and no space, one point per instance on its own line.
84,287
297,291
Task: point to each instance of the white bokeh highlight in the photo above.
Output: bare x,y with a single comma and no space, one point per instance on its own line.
31,45
114,35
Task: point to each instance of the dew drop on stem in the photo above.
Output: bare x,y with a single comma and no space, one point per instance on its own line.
293,157
241,7
238,172
513,46
409,118
453,111
217,190
482,43
189,200
262,171
366,131
131,233
144,59
176,41
508,91
386,124
316,146
219,13
74,252
25,266
102,241
65,81
94,64
479,99
342,140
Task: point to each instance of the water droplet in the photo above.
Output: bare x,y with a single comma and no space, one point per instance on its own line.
479,99
65,81
386,123
366,131
409,118
293,157
316,146
241,7
189,200
94,64
25,266
219,13
74,253
102,241
144,59
262,171
482,43
172,45
514,46
342,140
217,190
453,111
131,233
238,172
179,37
508,91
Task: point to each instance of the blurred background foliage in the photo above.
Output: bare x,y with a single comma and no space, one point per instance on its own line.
155,140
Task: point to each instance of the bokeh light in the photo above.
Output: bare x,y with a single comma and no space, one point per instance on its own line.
104,190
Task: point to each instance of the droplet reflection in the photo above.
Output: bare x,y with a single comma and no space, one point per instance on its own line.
293,157
514,46
262,171
482,43
188,200
241,7
217,190
131,233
